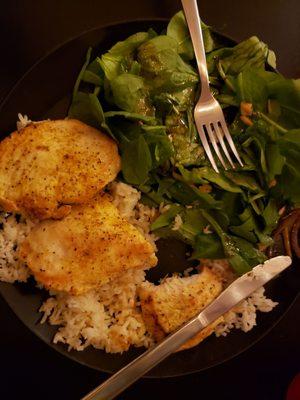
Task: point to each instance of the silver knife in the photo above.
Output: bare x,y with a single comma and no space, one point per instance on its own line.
230,297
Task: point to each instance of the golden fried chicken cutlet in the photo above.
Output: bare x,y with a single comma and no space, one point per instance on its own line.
49,166
175,301
88,248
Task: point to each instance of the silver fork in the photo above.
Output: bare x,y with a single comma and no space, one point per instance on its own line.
208,114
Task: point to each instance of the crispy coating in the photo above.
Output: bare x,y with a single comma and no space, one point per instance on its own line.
49,166
175,301
88,248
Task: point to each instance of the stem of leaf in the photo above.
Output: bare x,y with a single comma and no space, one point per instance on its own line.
224,77
255,207
271,122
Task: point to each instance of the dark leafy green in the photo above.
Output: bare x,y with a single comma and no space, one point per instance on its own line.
241,254
142,92
178,30
208,246
137,162
163,67
87,108
130,94
119,58
251,53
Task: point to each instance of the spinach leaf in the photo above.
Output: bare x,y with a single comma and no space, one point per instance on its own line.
289,180
186,194
175,102
251,53
291,138
87,108
233,205
248,227
191,176
252,88
130,94
131,116
193,223
208,246
91,77
270,216
243,179
251,229
178,30
163,66
120,57
289,183
207,174
159,144
135,68
187,151
81,73
287,94
214,57
136,160
241,254
166,218
275,161
93,73
244,256
208,39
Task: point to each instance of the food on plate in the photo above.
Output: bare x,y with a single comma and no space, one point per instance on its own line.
83,221
48,166
88,248
288,229
176,300
147,86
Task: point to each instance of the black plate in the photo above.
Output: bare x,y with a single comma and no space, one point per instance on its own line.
44,92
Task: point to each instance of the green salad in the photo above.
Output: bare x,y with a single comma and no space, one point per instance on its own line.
142,93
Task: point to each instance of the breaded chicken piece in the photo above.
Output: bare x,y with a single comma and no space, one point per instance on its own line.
50,165
175,301
88,248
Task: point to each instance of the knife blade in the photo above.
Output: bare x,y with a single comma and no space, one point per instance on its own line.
240,289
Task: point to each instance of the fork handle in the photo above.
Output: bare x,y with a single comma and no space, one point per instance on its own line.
192,16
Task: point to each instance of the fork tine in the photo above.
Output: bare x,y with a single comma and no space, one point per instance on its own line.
230,141
221,140
215,144
206,146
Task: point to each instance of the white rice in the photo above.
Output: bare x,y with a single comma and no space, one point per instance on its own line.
23,121
110,318
163,208
243,316
177,223
126,199
13,231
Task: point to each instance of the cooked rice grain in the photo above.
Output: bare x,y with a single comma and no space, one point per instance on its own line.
243,316
126,199
23,121
107,318
14,230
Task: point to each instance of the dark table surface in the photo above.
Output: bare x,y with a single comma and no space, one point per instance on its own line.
29,369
